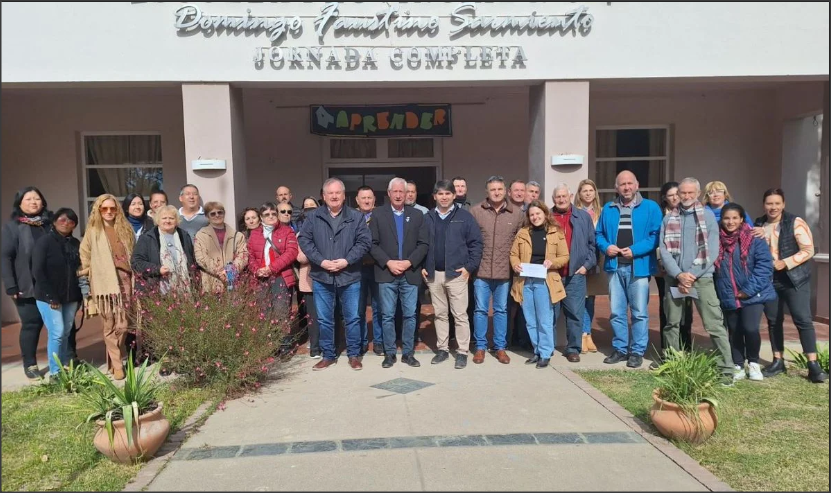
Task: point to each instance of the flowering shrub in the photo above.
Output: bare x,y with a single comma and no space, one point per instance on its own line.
230,339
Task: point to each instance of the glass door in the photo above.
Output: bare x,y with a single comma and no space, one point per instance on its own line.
379,178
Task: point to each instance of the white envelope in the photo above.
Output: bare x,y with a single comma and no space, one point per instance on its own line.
534,270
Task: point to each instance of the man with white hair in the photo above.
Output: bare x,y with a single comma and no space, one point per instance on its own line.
627,233
578,229
689,248
399,245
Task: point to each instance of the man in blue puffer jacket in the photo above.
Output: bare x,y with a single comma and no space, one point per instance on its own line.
744,269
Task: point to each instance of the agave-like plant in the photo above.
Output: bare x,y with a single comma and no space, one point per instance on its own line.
72,378
109,402
688,378
801,361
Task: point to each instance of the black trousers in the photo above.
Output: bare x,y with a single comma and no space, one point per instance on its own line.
686,317
798,301
31,324
309,322
745,340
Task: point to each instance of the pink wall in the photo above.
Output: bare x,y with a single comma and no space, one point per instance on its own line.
490,135
40,135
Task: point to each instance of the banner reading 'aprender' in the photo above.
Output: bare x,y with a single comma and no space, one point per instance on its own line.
405,120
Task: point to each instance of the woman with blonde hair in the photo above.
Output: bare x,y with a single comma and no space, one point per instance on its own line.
717,196
105,260
539,241
588,200
164,255
220,251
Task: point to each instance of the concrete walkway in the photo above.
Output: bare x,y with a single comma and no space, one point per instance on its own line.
487,427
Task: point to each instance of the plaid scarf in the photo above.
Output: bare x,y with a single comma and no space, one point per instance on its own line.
672,234
727,243
31,221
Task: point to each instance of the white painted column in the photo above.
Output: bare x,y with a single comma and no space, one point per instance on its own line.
213,121
559,124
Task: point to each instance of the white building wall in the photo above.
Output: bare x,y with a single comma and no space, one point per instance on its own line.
137,41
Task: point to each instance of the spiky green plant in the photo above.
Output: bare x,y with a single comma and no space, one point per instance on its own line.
72,378
801,361
688,378
111,403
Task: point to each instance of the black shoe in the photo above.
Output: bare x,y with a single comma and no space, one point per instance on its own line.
164,372
542,363
461,361
815,373
635,361
32,372
389,360
655,365
616,357
440,357
533,359
364,350
410,360
775,368
378,350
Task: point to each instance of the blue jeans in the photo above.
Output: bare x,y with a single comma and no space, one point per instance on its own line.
627,291
369,289
325,295
574,306
539,315
483,289
390,293
58,324
588,315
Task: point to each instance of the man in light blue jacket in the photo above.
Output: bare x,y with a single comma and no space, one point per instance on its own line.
627,233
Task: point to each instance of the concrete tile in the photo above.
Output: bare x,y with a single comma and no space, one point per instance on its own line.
264,449
309,447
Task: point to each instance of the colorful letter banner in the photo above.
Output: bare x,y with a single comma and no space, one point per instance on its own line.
406,120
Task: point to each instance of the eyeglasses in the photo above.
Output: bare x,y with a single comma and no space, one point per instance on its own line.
285,211
716,192
65,220
106,209
269,214
216,213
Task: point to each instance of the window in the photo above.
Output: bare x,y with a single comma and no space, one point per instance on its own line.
381,150
410,148
643,150
121,164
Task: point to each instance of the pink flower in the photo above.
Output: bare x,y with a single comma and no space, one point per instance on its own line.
237,334
227,326
221,406
201,329
246,353
253,330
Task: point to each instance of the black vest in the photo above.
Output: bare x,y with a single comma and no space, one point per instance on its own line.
788,246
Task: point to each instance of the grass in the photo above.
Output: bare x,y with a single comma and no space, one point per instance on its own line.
771,435
44,449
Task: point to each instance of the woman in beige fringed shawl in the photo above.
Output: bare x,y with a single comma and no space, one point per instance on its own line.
105,259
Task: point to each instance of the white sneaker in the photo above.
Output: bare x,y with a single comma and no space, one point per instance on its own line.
754,372
739,374
314,356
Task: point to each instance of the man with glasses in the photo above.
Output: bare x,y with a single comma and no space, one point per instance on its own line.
283,194
335,239
498,221
191,213
284,213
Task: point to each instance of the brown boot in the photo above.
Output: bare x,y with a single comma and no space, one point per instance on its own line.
118,373
479,357
503,357
590,344
585,344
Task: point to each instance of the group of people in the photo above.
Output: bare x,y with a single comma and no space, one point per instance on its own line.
511,251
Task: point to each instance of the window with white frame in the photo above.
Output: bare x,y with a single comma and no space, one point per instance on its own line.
643,150
121,164
382,149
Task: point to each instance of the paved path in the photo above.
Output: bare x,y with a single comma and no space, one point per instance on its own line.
487,427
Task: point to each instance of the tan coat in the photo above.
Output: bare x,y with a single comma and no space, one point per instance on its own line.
212,259
556,250
304,273
498,231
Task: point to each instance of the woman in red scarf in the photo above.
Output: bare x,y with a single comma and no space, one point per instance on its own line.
743,272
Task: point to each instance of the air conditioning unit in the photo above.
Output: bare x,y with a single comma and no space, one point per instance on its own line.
566,159
203,164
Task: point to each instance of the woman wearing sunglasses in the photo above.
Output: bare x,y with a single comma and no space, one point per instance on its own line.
272,250
105,260
55,262
220,251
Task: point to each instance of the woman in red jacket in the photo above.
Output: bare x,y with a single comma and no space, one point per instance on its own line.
272,250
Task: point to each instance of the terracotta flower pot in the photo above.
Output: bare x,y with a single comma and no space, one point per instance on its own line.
671,421
148,435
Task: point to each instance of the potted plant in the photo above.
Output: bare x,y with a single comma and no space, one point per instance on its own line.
131,425
685,399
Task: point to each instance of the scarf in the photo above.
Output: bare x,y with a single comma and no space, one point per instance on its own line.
178,279
727,242
32,221
672,234
136,222
103,278
267,231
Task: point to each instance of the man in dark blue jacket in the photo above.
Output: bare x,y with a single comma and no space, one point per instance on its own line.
578,228
335,239
454,253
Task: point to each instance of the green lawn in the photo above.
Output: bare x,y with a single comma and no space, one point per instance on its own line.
771,435
43,448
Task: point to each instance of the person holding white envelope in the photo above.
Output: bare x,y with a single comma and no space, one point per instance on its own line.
538,252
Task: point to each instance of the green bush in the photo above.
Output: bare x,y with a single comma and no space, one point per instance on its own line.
228,340
72,378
